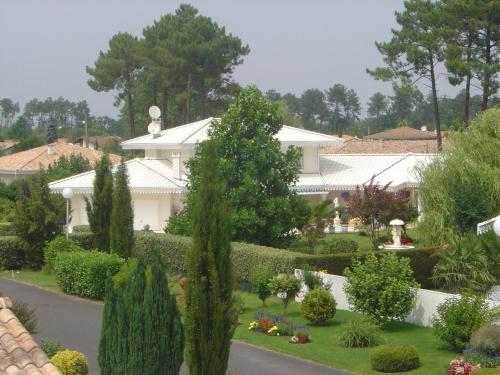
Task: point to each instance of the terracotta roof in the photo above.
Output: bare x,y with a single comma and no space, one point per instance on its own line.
364,146
401,133
33,159
19,353
8,143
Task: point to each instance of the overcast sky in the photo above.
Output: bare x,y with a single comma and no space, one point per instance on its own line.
295,44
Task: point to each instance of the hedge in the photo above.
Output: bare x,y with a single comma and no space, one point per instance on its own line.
84,239
7,229
84,273
245,257
12,252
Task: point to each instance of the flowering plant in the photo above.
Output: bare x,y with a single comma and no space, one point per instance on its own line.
459,366
300,336
273,325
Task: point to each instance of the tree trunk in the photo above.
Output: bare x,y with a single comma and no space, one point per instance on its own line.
130,107
188,100
437,120
487,75
164,108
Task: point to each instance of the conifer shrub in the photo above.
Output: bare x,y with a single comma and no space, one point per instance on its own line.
26,315
12,253
71,362
57,246
394,358
319,306
84,273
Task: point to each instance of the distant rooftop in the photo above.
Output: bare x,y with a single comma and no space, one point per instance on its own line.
403,133
369,146
40,157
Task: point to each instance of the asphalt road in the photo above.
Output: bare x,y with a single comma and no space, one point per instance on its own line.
76,323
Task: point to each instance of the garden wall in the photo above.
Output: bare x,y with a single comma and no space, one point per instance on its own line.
425,308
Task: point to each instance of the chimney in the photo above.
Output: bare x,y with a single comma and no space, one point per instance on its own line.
176,164
424,128
50,149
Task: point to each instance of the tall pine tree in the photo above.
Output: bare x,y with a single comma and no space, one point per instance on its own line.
108,357
122,215
208,323
163,333
100,203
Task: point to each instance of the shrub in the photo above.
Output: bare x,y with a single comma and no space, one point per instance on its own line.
120,279
81,229
84,273
51,348
6,229
458,318
359,334
285,286
25,315
319,306
57,246
394,358
484,347
179,224
338,245
12,253
71,363
84,239
313,280
383,289
259,279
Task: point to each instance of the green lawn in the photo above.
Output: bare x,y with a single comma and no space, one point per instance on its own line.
38,278
325,348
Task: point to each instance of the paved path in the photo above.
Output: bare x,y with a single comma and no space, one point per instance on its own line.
76,323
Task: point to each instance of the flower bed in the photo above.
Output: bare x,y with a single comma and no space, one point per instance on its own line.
276,325
459,366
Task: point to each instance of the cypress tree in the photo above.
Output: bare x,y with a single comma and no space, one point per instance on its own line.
122,215
208,323
106,354
134,299
163,328
51,133
100,204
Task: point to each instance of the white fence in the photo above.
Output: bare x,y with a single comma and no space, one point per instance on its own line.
421,315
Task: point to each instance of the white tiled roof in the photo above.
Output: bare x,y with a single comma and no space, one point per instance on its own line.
145,176
347,171
190,134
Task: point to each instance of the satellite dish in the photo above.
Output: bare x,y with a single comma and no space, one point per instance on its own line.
154,112
154,128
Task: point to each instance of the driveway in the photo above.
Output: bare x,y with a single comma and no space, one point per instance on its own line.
76,323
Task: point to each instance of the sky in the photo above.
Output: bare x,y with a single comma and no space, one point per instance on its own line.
295,44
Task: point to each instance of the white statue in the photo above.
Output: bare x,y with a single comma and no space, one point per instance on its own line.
336,221
397,227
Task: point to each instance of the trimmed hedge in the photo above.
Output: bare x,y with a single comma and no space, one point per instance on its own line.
394,358
84,273
84,239
57,246
422,261
12,253
7,229
246,257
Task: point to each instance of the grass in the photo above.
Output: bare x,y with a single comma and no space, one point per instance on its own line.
39,278
325,348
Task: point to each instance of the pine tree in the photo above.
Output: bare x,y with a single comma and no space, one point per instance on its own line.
135,305
208,323
163,333
122,215
51,133
100,204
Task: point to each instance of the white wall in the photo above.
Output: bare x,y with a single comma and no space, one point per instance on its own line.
310,159
421,315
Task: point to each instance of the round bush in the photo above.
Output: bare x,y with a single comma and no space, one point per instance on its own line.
58,245
71,363
458,318
394,358
319,306
338,246
285,286
359,334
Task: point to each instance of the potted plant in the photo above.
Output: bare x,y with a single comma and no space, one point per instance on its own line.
300,337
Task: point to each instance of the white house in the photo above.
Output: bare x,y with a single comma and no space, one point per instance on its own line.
158,181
